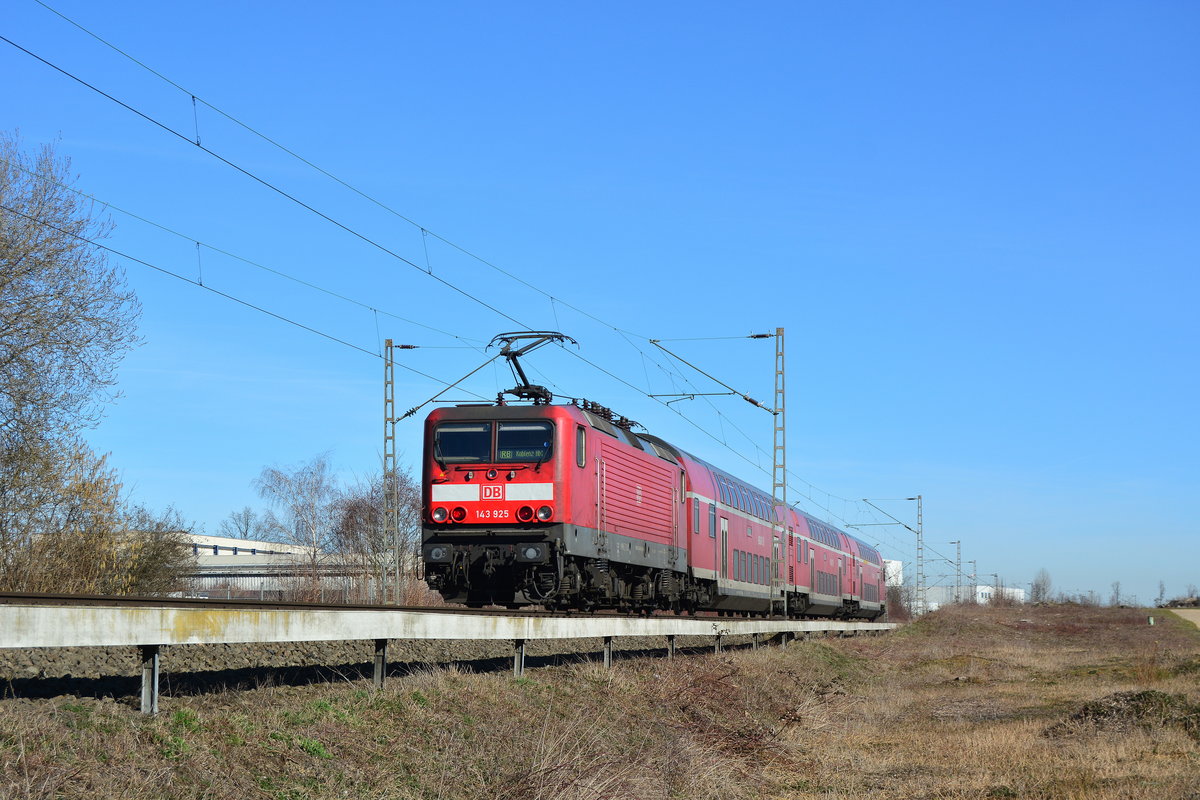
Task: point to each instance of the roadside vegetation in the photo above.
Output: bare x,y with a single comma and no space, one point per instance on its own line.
67,319
969,702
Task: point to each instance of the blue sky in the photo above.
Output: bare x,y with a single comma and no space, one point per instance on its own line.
976,223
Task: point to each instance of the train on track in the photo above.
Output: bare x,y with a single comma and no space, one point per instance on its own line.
565,506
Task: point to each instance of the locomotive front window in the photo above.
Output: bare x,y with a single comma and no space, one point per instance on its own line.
463,442
524,441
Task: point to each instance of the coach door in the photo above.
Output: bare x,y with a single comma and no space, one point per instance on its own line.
724,547
678,520
812,567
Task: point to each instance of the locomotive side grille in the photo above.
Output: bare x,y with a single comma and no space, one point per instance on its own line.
871,593
637,495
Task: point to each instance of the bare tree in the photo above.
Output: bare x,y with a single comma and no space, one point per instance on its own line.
900,603
308,501
67,319
1162,594
362,535
1039,590
244,524
1115,598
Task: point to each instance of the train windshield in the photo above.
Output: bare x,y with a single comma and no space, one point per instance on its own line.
524,441
463,442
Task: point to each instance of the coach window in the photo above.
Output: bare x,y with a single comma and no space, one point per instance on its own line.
580,446
712,520
749,532
696,514
463,442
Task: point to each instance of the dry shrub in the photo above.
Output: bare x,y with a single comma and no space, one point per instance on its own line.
1124,711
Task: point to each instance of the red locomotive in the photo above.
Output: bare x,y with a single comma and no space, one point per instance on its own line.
564,506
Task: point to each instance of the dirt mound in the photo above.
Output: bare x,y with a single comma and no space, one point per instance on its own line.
1124,712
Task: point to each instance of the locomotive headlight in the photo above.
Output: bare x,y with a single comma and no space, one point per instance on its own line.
439,514
545,513
491,473
524,513
458,514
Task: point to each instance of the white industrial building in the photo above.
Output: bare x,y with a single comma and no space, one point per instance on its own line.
937,596
246,568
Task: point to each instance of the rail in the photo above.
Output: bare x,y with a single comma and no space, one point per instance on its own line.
37,621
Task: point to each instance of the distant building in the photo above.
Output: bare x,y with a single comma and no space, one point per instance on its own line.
937,596
210,548
247,568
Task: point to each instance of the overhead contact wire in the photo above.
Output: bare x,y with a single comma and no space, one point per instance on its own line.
225,295
243,259
312,165
264,182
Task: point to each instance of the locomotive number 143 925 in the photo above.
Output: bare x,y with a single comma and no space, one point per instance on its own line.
491,513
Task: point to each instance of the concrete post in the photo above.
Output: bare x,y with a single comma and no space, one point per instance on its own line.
380,662
518,658
149,654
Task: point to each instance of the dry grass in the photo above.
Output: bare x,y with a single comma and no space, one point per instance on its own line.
968,703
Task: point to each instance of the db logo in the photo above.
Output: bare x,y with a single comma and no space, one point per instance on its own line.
493,492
